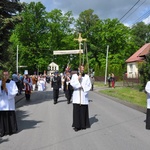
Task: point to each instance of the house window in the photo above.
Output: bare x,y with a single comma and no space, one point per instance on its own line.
131,68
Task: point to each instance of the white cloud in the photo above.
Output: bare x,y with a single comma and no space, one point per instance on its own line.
147,20
104,9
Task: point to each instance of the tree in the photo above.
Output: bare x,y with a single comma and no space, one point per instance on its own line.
141,33
32,35
8,19
144,70
101,33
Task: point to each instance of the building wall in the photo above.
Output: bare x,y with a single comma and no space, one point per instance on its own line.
132,70
52,68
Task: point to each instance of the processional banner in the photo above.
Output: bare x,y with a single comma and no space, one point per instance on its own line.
64,52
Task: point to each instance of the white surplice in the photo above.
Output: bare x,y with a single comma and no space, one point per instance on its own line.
147,89
80,96
7,100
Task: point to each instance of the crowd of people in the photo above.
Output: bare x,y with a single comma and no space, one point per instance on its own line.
75,86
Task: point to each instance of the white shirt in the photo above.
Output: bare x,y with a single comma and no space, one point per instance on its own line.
7,101
80,96
147,89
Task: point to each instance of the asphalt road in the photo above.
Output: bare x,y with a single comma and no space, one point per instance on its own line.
45,126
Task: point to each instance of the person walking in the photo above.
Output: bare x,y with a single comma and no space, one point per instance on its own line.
8,90
82,85
68,89
28,86
147,90
113,80
34,82
56,85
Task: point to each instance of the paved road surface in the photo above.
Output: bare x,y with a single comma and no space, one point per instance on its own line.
45,126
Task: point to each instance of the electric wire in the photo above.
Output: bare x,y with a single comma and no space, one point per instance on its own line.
144,16
129,10
134,10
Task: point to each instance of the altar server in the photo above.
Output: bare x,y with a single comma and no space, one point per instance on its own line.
8,90
81,84
147,90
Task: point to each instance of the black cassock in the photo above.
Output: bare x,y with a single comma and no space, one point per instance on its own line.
68,89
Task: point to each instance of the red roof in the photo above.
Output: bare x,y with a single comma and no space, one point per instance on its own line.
137,56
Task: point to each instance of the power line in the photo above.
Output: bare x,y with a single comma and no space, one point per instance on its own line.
144,16
135,10
129,10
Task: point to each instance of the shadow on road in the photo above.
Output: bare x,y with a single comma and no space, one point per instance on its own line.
93,119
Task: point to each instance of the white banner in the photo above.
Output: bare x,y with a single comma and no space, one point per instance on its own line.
64,52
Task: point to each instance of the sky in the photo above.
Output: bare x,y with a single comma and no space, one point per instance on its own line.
128,12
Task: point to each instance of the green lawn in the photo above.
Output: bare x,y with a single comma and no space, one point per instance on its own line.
132,95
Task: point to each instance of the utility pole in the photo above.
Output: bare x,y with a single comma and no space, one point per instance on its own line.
106,64
17,60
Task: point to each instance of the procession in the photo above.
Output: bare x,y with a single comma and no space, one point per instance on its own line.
74,75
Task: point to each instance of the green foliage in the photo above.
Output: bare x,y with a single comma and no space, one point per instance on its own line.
141,33
144,70
8,20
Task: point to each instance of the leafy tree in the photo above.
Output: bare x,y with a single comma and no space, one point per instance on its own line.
141,33
144,70
101,33
31,35
9,10
60,35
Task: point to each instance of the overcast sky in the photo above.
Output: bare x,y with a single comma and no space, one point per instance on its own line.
135,10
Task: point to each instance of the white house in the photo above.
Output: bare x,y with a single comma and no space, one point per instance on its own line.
135,59
52,67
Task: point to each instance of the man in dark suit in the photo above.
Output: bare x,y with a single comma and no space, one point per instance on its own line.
56,85
68,89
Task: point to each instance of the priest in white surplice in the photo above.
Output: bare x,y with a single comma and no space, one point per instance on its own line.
81,84
147,89
8,90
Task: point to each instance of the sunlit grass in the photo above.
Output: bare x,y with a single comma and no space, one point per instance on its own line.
129,94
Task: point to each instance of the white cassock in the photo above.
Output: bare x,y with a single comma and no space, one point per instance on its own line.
147,89
7,101
80,96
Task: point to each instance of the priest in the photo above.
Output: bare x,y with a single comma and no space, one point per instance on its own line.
8,90
82,85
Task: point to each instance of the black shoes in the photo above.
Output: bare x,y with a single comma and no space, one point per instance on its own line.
76,129
55,102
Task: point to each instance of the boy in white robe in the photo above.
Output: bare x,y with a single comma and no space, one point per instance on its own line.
81,84
147,89
8,123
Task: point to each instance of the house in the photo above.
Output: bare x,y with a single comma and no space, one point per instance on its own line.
52,67
135,59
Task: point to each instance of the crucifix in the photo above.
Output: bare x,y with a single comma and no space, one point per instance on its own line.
80,39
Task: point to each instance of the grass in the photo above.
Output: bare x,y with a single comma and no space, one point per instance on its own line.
129,94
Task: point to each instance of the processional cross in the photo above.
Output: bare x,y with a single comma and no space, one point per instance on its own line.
80,39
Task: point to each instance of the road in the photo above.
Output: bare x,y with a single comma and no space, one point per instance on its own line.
45,126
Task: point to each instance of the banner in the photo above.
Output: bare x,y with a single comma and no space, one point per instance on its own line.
64,52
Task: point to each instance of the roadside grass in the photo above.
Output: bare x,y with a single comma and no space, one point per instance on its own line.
129,94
